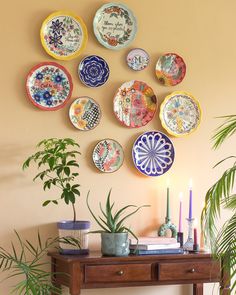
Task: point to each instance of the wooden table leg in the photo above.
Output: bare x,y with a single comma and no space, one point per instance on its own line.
54,283
75,277
197,289
225,280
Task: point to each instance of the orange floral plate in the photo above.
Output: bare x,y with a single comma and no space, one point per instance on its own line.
135,104
85,113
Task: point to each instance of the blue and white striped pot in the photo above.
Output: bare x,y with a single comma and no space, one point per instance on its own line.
78,230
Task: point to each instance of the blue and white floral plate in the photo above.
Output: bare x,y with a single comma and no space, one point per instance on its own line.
93,71
153,153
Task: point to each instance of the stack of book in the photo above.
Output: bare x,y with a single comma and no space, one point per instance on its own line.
154,246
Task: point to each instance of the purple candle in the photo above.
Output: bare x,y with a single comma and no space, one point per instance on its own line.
190,214
180,212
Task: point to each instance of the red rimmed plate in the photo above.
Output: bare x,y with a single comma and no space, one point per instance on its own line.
135,104
170,69
49,86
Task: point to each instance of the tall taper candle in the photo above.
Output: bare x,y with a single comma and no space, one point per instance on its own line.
190,214
180,212
168,204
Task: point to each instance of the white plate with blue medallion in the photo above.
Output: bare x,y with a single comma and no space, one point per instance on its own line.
93,71
114,25
153,153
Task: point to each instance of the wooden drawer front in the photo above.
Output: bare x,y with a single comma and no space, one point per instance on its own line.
118,273
208,270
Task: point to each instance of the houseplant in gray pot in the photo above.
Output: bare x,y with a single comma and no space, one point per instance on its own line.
114,233
57,161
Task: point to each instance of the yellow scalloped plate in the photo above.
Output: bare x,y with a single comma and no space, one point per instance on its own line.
180,113
63,35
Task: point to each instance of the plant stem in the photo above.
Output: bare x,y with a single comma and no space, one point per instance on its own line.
74,212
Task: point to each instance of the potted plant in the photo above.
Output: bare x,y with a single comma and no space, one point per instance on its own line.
28,264
58,164
222,196
114,233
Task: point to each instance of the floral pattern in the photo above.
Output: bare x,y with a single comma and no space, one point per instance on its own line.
108,155
170,69
93,71
137,59
153,153
85,113
63,35
135,104
180,113
114,26
49,86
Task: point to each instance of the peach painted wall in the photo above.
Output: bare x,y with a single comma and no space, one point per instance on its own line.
202,31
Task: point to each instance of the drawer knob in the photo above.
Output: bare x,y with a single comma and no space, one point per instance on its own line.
192,270
120,272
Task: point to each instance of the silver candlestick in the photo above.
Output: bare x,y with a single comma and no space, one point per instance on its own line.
189,243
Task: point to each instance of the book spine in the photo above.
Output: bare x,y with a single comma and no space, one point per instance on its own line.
155,252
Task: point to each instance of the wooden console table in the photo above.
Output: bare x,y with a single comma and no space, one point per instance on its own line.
96,271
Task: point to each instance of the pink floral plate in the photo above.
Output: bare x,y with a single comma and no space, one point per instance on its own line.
170,69
85,113
49,86
135,104
108,155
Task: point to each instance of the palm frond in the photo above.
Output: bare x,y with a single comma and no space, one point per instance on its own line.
225,130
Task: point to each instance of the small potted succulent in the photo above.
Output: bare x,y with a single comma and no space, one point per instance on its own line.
57,162
114,233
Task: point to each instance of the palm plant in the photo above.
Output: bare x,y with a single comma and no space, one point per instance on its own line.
27,263
221,196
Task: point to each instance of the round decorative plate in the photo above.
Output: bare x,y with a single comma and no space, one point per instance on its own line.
170,69
137,59
108,155
114,25
93,71
63,35
153,153
49,86
180,113
85,113
135,104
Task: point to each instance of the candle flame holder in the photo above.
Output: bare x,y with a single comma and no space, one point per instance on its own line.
188,245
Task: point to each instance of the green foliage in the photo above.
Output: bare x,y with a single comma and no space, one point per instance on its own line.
36,281
113,222
58,165
219,196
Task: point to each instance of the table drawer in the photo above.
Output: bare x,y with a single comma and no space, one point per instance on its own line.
189,271
118,273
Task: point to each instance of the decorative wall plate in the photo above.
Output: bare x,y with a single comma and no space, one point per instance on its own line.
108,155
180,113
63,35
85,113
153,153
114,25
134,104
93,71
170,69
49,86
137,59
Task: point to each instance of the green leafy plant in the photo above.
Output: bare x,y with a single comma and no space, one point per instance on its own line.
221,196
113,222
57,160
26,263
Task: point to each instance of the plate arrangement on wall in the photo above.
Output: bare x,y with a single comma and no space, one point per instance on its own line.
134,104
108,155
85,113
49,86
63,35
153,153
170,69
180,113
93,71
114,25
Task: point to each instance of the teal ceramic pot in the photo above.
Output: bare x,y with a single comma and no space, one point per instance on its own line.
115,244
